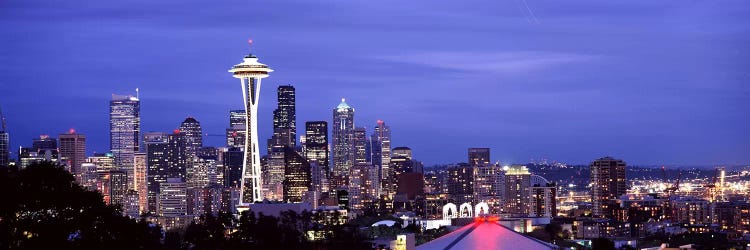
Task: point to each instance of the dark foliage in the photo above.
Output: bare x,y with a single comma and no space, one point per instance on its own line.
43,208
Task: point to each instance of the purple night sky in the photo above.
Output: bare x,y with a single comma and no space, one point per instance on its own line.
650,82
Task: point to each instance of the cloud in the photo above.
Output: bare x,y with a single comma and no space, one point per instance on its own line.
492,62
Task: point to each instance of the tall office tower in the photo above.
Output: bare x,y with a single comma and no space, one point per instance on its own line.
316,143
543,200
157,162
177,153
193,137
118,186
363,185
343,143
608,183
73,150
517,190
285,118
236,131
4,142
232,160
173,198
360,145
400,165
460,183
140,183
250,72
44,142
124,130
479,156
296,175
489,185
381,149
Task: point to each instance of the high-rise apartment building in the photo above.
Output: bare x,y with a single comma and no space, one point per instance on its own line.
517,190
489,185
543,203
343,143
73,151
124,130
479,156
608,183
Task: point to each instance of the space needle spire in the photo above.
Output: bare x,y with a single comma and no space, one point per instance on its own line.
250,72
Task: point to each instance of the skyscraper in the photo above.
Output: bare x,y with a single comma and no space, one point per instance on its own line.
285,118
4,142
177,154
316,143
157,162
73,150
360,145
140,182
236,131
251,72
124,130
608,183
193,137
517,190
489,185
479,156
381,149
343,143
297,179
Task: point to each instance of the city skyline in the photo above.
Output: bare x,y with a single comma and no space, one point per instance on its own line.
682,117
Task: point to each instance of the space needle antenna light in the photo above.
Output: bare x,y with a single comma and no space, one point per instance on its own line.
250,72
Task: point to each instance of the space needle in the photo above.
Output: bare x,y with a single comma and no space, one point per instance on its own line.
250,72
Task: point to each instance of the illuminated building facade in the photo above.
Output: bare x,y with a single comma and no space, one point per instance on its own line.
517,190
73,151
479,156
124,130
173,198
193,133
297,179
236,132
608,183
343,153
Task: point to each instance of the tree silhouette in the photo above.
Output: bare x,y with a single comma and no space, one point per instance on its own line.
44,208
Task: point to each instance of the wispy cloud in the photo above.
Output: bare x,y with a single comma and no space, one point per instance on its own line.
493,62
